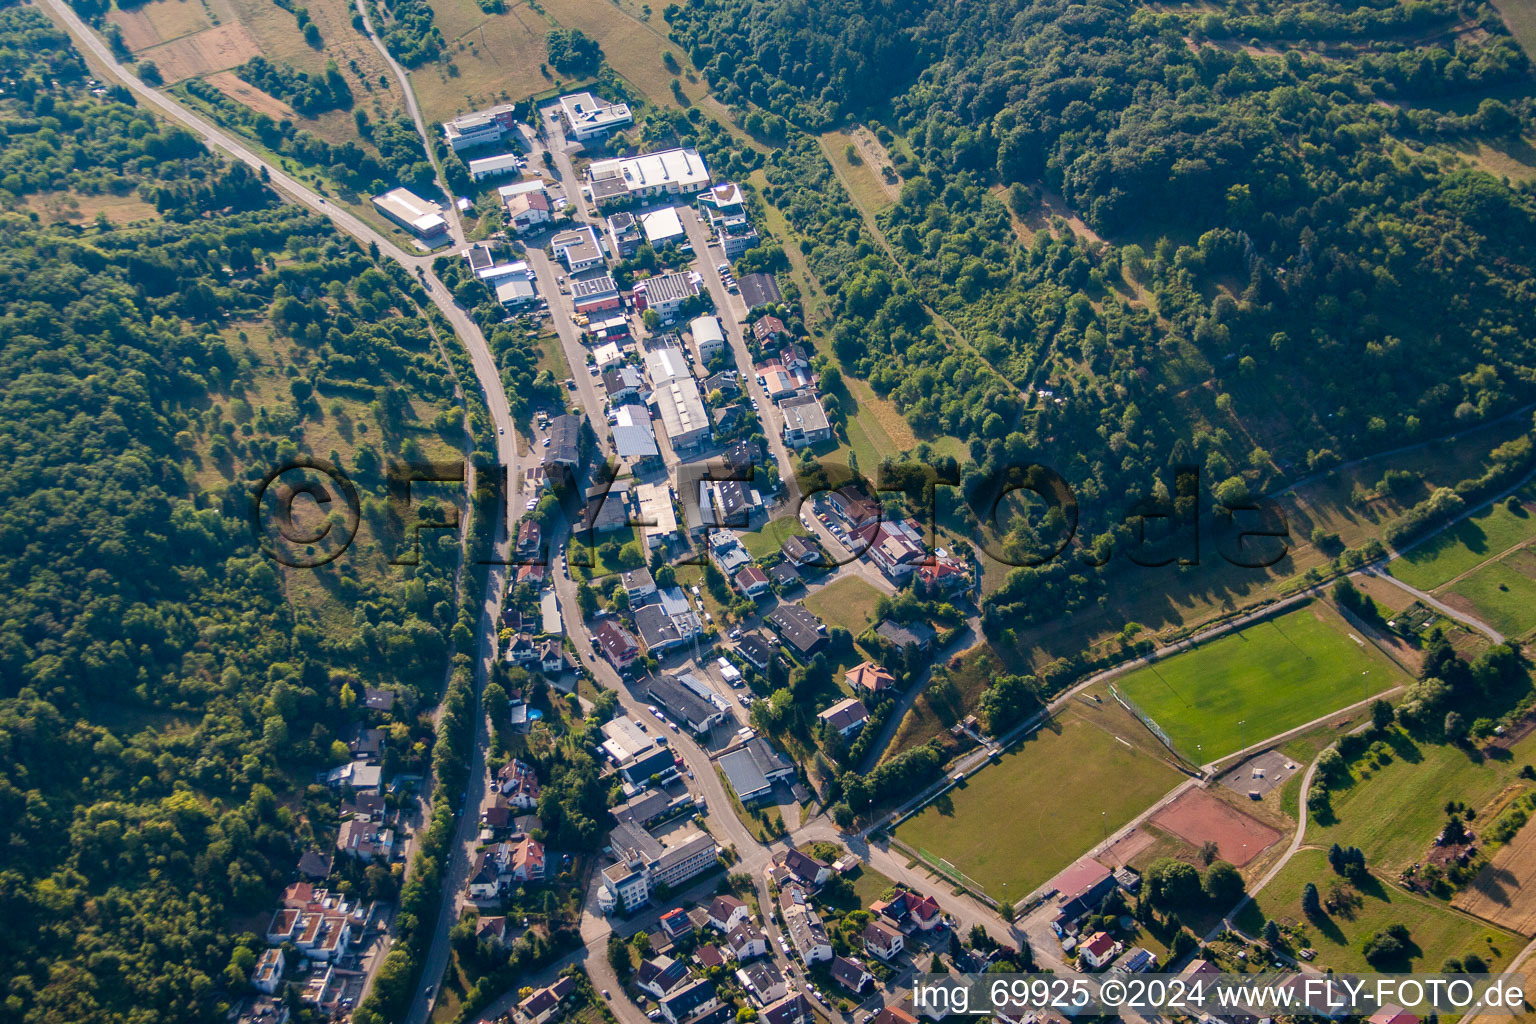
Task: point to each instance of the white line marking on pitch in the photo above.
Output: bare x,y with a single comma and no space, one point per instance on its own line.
1357,640
1122,740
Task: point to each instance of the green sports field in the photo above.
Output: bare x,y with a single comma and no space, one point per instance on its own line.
1437,932
1474,540
1045,803
1260,681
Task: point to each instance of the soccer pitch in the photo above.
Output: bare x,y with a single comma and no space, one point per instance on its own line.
1259,681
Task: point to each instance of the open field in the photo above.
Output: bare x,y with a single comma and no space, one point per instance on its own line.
862,179
850,603
241,91
1199,817
79,208
1396,805
1437,932
214,49
1259,681
1482,536
1499,593
489,58
765,541
1520,16
159,21
1504,892
1042,805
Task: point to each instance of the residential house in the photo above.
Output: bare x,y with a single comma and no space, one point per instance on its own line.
659,975
521,649
726,551
882,940
896,547
904,635
268,974
618,646
518,784
762,981
767,329
528,210
894,1015
1390,1013
805,929
552,660
366,744
639,586
658,517
709,955
746,942
851,974
755,650
686,1000
845,718
366,840
794,1008
530,537
909,911
799,628
622,386
856,509
378,700
675,923
869,676
752,582
1097,951
803,868
801,550
726,912
491,929
541,1006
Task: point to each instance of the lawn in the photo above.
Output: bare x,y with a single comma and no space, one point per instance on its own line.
591,559
1500,595
1020,821
1474,540
850,603
766,541
1437,932
1259,681
1393,809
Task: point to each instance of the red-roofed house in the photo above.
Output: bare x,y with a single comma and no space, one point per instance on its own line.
1098,950
1390,1014
869,676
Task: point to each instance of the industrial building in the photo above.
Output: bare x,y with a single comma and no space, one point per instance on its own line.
421,217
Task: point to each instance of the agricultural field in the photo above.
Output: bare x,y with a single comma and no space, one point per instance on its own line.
1015,824
1259,681
1436,931
1395,806
850,603
1502,594
1520,16
1504,892
1479,537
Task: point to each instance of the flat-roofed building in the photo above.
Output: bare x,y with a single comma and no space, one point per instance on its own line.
595,294
633,439
495,166
589,117
666,293
669,172
480,127
657,516
682,412
805,421
663,227
578,248
421,217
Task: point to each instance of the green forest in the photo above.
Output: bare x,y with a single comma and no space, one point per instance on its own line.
1282,260
168,691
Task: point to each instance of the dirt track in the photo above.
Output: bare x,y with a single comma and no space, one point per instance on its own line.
1198,817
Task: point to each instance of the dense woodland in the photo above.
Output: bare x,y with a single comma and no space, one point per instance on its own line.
1282,264
168,691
